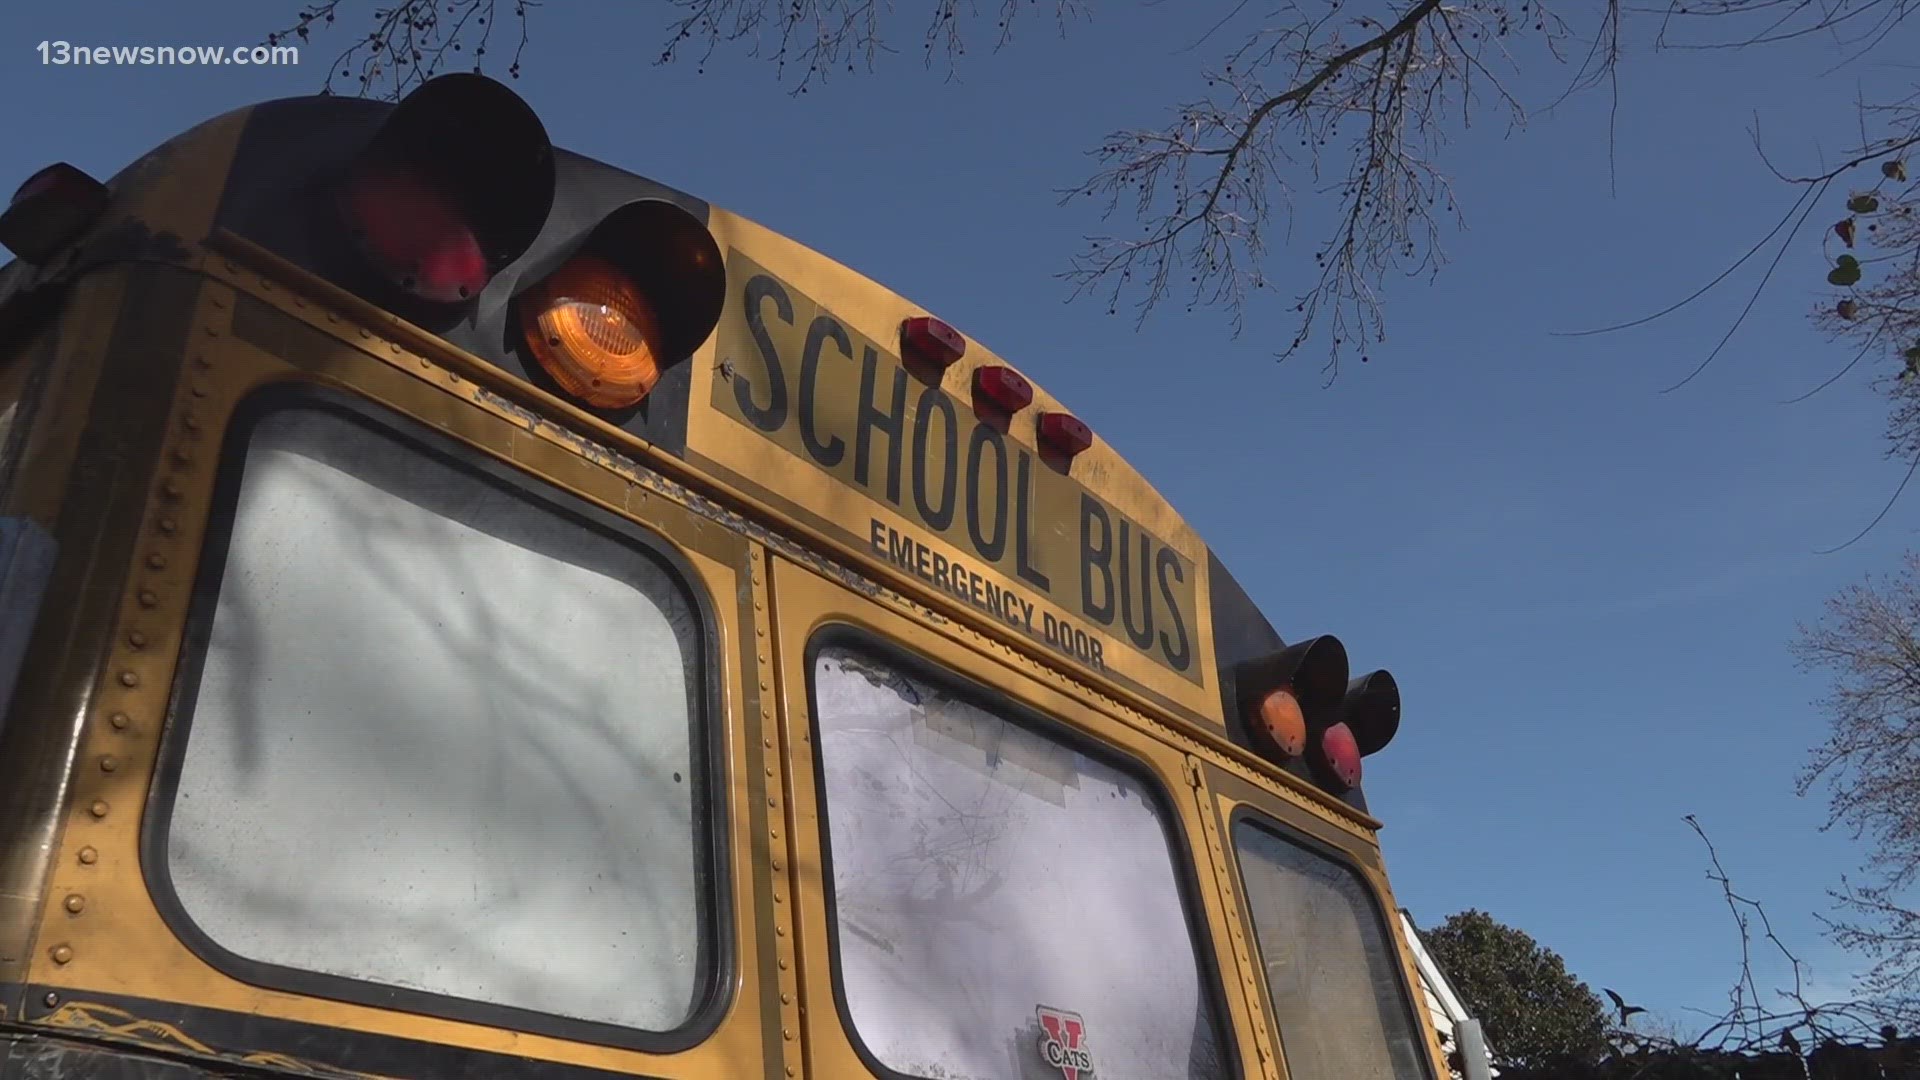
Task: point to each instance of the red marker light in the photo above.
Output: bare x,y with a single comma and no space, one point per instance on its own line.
1004,387
51,209
1336,757
926,338
1064,434
413,234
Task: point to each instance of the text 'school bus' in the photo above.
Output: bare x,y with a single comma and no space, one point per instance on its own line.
473,611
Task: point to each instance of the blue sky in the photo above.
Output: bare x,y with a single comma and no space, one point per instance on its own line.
1585,587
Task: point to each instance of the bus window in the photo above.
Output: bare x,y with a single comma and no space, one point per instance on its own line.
1005,905
440,735
1331,968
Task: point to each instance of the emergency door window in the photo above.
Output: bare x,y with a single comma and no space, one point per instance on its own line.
1005,904
1332,971
445,737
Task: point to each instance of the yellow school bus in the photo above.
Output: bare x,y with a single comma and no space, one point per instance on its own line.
469,610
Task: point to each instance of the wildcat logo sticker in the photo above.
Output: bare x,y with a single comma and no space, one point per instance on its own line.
1063,1043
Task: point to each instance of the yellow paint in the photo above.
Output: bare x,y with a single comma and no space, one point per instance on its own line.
1064,585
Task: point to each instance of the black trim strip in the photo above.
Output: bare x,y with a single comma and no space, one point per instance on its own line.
1005,708
714,982
317,1050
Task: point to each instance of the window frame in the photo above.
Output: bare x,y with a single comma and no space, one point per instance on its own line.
837,632
715,973
1276,827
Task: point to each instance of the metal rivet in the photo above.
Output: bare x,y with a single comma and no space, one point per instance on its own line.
172,488
775,803
779,897
108,764
212,331
182,458
76,902
215,298
769,770
365,333
768,743
199,390
88,856
785,1033
119,721
783,964
128,678
791,1072
148,598
193,422
775,832
786,999
51,999
203,360
157,561
776,864
139,640
779,931
99,808
168,525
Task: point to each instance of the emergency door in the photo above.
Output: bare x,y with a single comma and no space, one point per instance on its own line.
988,877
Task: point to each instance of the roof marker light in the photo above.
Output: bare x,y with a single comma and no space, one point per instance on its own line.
1003,388
928,339
1063,434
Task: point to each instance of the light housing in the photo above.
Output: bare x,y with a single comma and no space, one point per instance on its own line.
1001,388
456,184
1372,711
53,208
931,341
1287,697
1063,434
646,288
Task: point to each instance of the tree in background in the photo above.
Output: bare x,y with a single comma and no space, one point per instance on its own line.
1536,1015
1345,106
1869,645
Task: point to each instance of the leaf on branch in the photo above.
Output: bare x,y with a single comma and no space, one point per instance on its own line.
1863,204
1844,230
1894,170
1847,309
1845,272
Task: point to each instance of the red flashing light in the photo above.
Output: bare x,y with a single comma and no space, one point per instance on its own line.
1064,434
414,234
51,209
927,338
1004,387
1336,758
